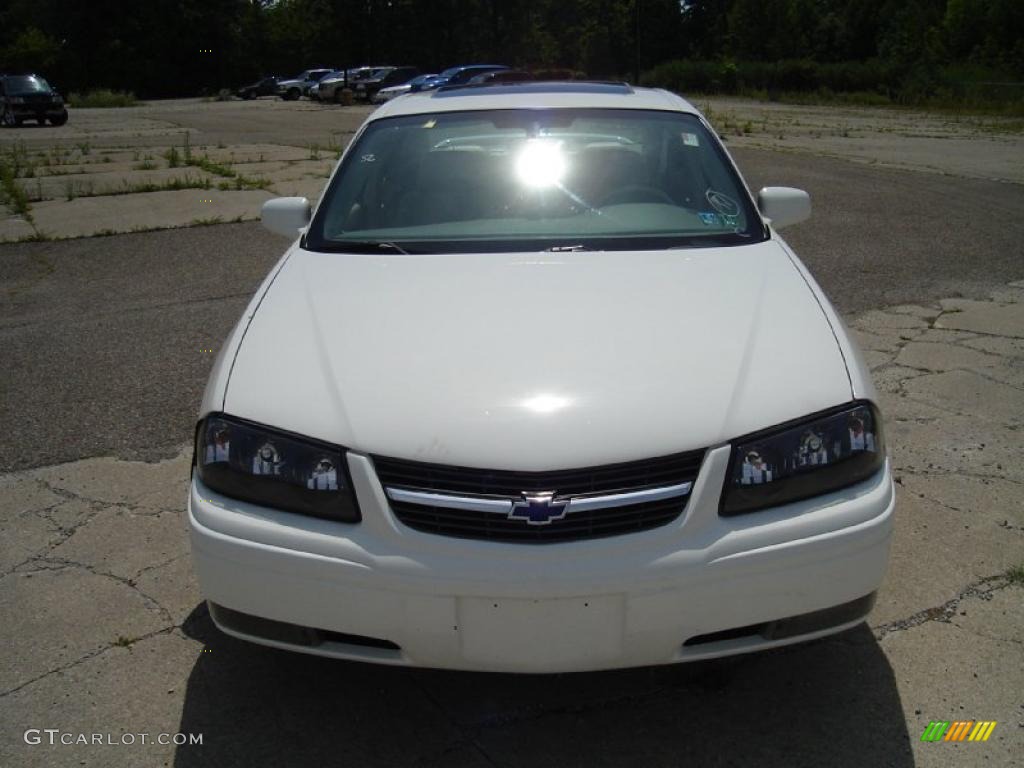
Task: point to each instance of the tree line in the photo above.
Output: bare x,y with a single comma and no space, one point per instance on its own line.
186,47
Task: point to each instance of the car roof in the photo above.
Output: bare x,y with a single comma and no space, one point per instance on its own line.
533,95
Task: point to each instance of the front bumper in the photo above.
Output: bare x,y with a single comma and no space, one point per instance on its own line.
699,587
36,111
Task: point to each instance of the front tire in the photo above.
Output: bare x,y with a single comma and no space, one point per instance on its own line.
7,119
292,94
59,120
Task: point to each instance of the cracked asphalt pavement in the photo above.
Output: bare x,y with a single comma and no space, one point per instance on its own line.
103,630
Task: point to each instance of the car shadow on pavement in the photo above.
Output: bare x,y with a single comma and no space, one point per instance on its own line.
830,702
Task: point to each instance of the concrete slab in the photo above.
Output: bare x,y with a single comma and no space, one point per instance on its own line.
14,227
964,391
979,147
940,357
124,543
87,216
953,669
61,613
106,182
993,319
139,487
971,542
121,690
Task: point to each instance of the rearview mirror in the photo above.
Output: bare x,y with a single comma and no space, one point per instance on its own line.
784,205
286,215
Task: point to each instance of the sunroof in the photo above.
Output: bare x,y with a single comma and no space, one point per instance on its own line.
528,87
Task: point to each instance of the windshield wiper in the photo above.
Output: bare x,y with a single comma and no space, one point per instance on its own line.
367,246
567,248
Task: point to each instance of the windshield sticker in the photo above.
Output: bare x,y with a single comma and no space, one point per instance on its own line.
430,123
690,139
709,219
722,203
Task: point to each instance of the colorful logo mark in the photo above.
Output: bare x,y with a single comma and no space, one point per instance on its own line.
958,730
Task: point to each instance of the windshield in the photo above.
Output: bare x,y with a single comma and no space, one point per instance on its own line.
26,84
503,180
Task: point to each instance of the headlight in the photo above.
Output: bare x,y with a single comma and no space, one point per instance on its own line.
801,459
265,466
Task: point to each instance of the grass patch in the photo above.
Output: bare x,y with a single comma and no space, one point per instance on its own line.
241,182
208,222
86,189
102,98
1016,575
208,165
188,181
12,194
146,164
172,157
17,160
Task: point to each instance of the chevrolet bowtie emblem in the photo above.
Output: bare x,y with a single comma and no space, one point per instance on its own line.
538,509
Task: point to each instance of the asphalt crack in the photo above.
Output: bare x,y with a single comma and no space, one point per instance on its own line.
982,589
47,563
86,657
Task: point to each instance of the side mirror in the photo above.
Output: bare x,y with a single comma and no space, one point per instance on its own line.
286,215
784,205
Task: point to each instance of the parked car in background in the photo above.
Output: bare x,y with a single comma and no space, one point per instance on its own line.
300,84
313,91
266,86
539,387
425,83
394,91
501,76
329,88
462,74
30,97
366,89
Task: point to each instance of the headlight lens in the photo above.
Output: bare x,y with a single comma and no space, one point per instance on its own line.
265,466
795,461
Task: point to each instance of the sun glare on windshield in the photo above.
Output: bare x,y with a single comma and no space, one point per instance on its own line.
541,163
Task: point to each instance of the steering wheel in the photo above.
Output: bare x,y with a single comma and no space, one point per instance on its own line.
636,193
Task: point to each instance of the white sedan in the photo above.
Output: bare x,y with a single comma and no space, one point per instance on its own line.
538,387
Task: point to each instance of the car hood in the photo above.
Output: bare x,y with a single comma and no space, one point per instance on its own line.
536,361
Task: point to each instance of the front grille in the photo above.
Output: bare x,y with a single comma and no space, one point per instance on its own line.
501,484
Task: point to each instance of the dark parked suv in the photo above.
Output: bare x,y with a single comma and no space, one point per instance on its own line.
29,97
